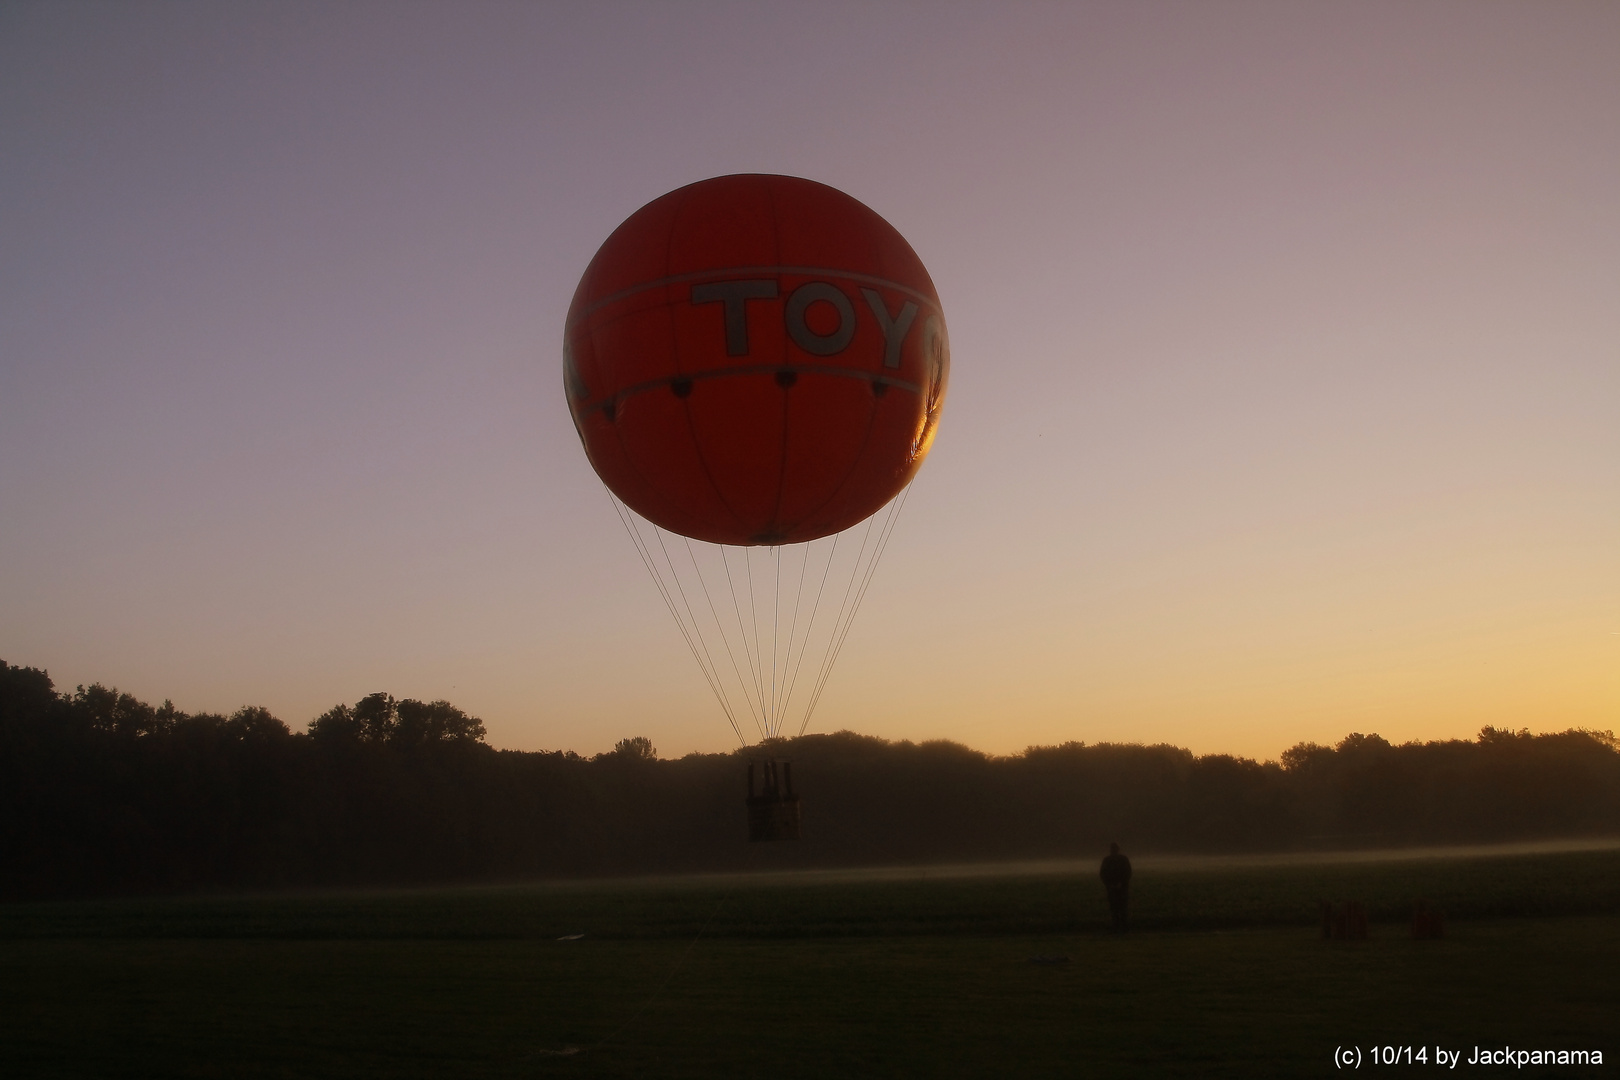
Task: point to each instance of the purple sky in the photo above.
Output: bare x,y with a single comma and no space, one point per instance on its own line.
1285,394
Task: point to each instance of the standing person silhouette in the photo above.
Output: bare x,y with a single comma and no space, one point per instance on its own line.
1116,878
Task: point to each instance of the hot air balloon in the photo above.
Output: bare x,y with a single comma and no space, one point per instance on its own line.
756,365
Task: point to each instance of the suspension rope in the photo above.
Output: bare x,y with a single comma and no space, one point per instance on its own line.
860,596
663,590
810,627
793,628
753,617
866,582
742,631
725,638
838,620
700,649
659,533
770,707
776,632
647,561
838,647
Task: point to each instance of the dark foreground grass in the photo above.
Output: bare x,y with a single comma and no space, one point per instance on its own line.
911,978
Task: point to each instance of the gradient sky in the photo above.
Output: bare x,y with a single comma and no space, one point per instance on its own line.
1285,395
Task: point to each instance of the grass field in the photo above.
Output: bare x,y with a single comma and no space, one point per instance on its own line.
785,976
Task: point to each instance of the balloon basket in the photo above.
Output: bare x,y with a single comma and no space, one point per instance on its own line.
773,810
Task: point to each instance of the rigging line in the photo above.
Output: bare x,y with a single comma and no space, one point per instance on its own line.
658,581
742,631
815,610
776,632
826,658
810,627
724,639
753,617
871,569
646,560
798,599
709,675
694,632
755,704
694,638
882,546
700,638
845,614
659,533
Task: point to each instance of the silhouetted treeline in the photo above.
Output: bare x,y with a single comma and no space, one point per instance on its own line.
101,793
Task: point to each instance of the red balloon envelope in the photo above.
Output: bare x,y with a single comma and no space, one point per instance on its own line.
755,359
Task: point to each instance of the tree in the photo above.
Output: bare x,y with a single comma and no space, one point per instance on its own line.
254,723
378,717
372,719
337,724
120,714
435,721
637,748
26,695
